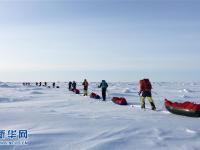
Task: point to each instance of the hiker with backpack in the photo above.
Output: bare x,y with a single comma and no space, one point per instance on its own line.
103,86
145,91
73,86
54,84
85,87
70,85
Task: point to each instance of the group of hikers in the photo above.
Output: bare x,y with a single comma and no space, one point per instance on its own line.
45,84
72,85
145,90
41,84
103,85
26,83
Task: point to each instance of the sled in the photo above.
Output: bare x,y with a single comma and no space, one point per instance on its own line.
119,100
76,91
186,108
94,95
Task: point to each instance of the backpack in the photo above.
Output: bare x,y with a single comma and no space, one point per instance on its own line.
85,83
145,85
104,85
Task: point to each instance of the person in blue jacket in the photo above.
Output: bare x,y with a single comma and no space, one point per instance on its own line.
103,86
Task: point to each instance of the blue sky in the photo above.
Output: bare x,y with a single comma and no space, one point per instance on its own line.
99,39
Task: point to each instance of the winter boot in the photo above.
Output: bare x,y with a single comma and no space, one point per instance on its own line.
153,107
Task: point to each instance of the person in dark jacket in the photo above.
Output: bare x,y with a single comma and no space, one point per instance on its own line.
73,85
103,86
145,91
54,84
70,85
85,87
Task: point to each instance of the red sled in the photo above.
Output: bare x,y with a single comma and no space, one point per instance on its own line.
186,108
94,95
119,100
76,91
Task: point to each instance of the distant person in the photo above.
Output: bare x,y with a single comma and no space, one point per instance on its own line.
73,85
103,86
36,83
85,87
40,84
145,91
54,84
70,85
45,83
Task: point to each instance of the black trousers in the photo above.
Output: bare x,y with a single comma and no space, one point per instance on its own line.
146,94
104,94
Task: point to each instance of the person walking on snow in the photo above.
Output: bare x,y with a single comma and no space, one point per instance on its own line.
54,84
70,85
85,87
103,86
145,91
73,86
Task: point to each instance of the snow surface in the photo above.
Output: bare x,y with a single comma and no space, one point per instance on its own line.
57,119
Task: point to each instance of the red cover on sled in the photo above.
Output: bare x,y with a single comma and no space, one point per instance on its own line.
186,108
94,95
184,105
119,100
76,91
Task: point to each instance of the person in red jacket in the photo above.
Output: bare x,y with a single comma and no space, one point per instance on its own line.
145,91
85,87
